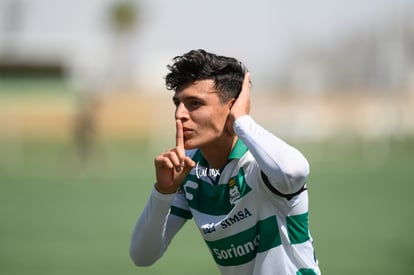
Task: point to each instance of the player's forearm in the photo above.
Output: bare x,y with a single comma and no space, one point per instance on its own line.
149,239
283,164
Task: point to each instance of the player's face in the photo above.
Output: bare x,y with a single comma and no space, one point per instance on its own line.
202,113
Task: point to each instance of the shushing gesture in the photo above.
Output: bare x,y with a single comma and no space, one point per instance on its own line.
173,166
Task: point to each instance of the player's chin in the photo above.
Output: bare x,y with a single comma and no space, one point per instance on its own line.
190,147
190,143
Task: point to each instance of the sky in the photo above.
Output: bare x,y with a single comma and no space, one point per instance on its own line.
261,33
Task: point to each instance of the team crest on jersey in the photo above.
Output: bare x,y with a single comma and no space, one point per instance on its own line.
237,187
234,192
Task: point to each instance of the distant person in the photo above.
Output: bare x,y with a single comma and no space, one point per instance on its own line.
244,187
84,130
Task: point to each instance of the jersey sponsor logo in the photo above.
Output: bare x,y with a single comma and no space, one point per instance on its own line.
239,216
243,246
208,228
235,251
229,221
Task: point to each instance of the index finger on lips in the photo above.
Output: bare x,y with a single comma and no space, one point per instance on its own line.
179,141
179,136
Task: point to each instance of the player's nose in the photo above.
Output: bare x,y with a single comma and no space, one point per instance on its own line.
181,111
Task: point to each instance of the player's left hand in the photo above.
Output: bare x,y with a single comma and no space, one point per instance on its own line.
241,105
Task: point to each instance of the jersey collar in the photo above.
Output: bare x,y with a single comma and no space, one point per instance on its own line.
238,150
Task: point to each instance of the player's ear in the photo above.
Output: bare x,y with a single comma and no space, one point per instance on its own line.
231,102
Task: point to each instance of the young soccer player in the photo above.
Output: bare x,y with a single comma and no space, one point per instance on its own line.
243,186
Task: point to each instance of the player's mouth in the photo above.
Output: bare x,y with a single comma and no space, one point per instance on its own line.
187,132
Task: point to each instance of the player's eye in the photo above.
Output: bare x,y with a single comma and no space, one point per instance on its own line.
194,104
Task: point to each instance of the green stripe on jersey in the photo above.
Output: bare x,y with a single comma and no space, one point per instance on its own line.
243,247
305,271
237,152
203,196
298,228
181,212
215,199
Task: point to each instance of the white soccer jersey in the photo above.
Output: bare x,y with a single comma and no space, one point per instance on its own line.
248,224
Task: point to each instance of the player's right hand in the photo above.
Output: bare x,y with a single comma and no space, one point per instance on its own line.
172,166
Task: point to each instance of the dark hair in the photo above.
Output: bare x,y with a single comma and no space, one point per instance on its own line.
227,72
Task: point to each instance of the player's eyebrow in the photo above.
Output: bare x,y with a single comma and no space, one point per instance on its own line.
177,99
194,96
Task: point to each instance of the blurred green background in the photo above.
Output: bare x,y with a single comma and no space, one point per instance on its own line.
65,211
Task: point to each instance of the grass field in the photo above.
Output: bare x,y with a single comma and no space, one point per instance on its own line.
59,216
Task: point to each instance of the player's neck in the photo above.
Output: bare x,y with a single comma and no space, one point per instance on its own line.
217,153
